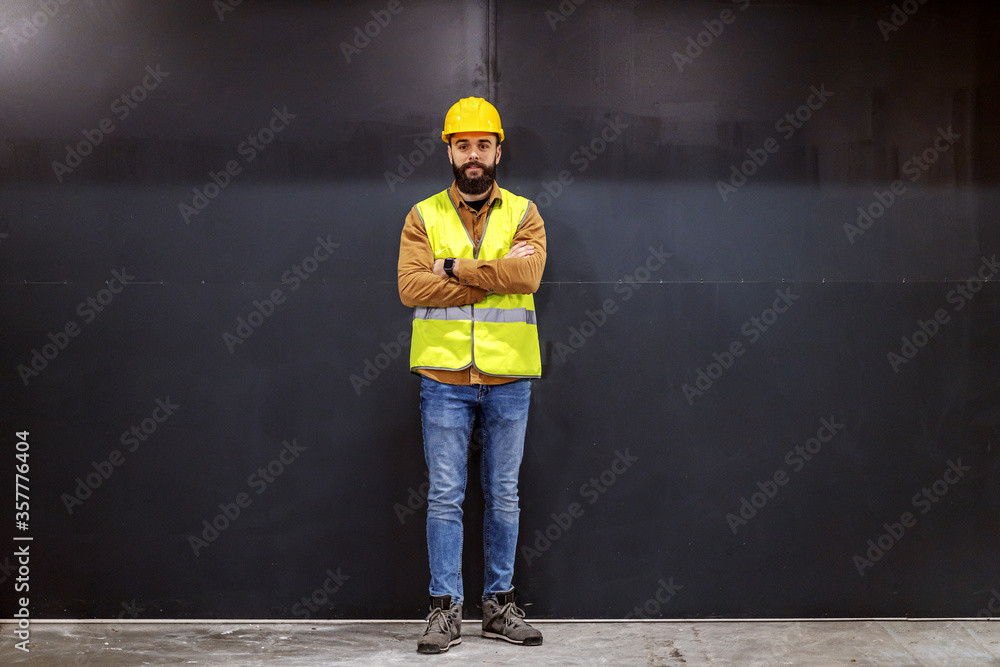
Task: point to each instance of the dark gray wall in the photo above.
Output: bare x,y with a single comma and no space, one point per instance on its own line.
632,483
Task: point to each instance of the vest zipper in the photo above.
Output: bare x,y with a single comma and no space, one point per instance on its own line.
475,255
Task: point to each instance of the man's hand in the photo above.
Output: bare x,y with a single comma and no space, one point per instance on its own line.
521,249
439,268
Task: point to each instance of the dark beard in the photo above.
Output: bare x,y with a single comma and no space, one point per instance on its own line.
475,186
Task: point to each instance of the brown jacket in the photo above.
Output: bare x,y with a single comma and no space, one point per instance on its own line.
419,286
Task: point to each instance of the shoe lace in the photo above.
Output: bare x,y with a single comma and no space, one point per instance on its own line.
439,620
511,615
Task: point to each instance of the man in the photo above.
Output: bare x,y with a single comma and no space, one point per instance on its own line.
470,258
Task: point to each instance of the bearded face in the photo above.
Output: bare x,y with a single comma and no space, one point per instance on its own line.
475,185
474,158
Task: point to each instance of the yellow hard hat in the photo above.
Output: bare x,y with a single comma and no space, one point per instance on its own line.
471,114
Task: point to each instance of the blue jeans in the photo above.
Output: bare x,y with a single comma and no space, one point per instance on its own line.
447,413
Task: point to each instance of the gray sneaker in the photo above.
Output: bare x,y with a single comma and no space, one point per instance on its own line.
444,626
502,619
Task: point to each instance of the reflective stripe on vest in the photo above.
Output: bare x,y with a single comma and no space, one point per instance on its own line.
499,335
479,314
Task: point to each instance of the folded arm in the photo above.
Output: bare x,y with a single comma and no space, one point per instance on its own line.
520,272
418,284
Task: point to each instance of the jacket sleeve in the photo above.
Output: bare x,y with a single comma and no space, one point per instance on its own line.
517,275
418,284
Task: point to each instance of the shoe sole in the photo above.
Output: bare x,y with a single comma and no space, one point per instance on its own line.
434,648
531,641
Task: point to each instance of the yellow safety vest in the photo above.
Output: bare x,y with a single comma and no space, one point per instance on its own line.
499,335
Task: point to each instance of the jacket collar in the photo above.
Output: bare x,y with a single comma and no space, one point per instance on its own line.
494,196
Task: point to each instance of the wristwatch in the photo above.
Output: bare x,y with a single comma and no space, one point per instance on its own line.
449,264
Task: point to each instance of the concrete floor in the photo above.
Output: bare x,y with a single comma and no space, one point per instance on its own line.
963,642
